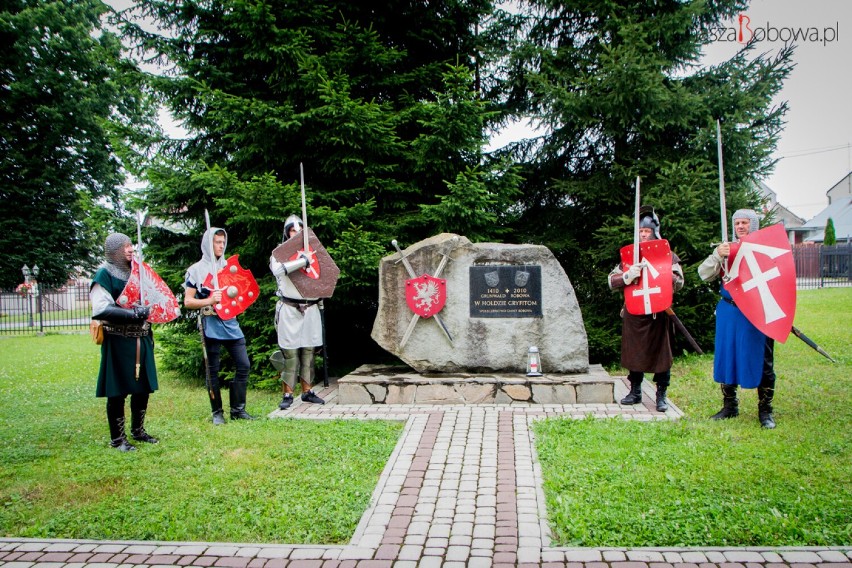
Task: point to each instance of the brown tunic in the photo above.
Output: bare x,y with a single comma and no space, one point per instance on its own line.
646,341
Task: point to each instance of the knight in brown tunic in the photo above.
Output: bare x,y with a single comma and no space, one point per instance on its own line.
646,339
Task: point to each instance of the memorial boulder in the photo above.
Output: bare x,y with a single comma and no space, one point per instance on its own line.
452,306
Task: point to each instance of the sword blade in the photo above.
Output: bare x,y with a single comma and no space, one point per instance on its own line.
443,327
404,259
304,210
139,220
722,204
408,330
213,251
636,225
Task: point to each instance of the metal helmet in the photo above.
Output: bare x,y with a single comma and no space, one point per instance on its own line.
292,221
648,220
754,223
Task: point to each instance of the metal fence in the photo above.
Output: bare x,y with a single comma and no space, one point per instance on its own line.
34,311
819,266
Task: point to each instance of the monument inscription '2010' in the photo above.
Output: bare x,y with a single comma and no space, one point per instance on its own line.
505,291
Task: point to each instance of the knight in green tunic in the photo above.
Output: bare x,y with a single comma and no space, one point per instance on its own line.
127,353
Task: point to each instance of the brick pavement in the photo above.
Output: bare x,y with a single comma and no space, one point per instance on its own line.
461,489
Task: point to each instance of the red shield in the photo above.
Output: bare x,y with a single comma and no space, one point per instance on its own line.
239,289
164,306
426,295
762,281
652,292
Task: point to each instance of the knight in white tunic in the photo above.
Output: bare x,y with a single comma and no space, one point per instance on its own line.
299,326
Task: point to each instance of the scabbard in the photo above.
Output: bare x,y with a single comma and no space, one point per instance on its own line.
685,332
207,380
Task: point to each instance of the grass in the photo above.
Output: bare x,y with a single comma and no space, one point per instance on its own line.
695,482
273,481
699,482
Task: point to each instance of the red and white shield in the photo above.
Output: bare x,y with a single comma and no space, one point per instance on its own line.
762,281
312,270
652,292
426,295
164,306
239,289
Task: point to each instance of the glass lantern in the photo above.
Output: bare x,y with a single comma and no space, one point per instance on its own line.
533,362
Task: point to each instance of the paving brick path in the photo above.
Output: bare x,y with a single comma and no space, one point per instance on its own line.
461,489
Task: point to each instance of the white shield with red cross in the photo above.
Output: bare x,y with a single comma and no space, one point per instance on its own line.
426,295
652,292
761,278
239,289
164,306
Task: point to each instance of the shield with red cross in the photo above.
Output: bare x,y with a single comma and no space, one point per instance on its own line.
318,279
652,292
761,278
239,289
426,295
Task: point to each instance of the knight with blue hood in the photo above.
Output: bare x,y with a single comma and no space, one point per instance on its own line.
202,294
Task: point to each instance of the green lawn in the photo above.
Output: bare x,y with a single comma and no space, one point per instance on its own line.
694,482
699,482
287,481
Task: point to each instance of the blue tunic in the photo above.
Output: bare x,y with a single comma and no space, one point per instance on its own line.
739,347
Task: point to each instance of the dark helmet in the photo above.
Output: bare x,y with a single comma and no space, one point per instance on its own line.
648,220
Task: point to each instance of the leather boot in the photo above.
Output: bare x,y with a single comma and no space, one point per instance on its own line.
216,405
238,401
138,409
764,407
662,403
730,403
137,428
115,418
635,394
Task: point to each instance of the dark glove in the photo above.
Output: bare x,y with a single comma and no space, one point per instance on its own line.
142,312
115,314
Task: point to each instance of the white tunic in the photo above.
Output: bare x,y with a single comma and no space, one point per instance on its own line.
295,329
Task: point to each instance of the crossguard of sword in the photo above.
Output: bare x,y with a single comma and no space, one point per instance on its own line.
725,276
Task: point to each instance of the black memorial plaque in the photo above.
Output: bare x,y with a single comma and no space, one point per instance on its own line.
499,291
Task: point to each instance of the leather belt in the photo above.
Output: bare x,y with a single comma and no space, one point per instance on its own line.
300,305
128,329
297,301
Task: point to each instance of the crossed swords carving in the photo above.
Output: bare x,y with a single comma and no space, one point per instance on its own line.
415,317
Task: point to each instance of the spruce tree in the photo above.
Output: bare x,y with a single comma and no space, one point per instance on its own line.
380,105
617,89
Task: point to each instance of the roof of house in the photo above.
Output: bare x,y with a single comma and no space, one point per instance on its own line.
840,212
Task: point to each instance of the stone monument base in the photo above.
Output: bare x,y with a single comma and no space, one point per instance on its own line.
381,384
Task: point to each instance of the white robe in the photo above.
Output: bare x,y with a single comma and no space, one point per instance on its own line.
295,329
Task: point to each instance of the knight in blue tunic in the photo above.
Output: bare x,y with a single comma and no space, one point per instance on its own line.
744,355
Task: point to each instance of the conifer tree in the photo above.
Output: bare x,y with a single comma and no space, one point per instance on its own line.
379,103
830,238
617,89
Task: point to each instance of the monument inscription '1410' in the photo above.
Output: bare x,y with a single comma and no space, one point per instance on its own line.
505,291
450,306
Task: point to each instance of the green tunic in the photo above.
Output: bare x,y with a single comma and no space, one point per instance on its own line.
117,375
